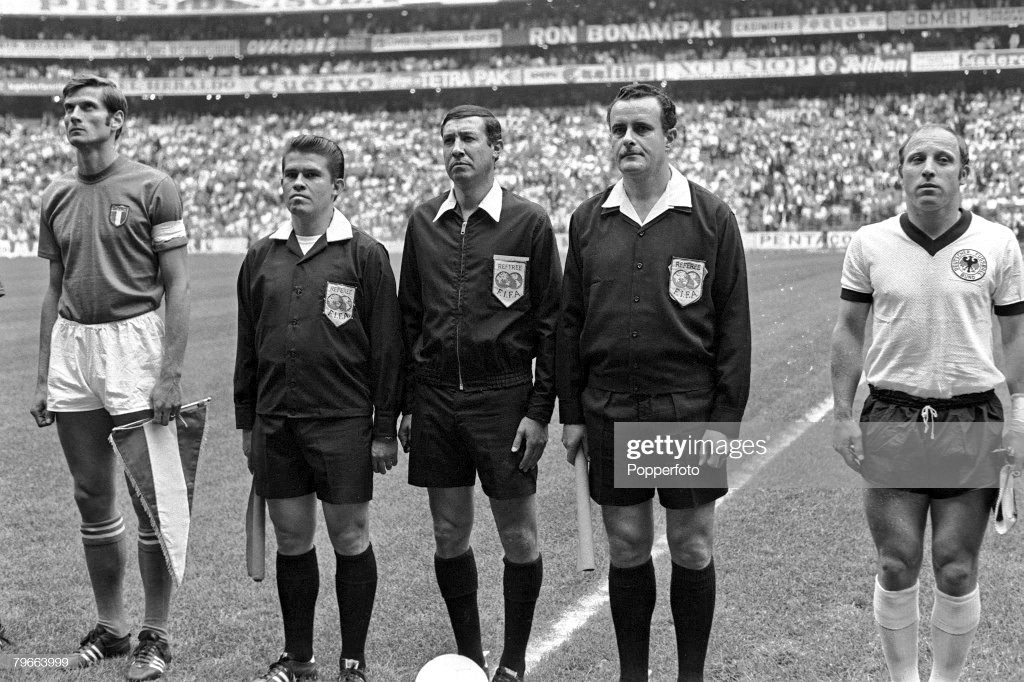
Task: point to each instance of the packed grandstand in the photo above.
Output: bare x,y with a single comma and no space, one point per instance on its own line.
791,110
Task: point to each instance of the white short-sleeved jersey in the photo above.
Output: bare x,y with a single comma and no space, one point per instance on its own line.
933,301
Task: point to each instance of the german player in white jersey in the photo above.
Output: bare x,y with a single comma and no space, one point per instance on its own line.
112,231
929,437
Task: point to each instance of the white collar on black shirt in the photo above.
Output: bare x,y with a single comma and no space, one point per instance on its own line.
339,230
491,203
676,195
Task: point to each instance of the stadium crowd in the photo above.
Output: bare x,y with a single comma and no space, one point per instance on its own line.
506,16
808,163
304,65
880,45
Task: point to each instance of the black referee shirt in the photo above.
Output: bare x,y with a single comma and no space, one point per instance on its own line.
306,349
661,308
468,324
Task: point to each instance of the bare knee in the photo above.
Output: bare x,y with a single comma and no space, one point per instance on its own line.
516,520
691,551
451,511
294,524
353,537
451,536
691,535
292,542
897,571
956,573
95,504
628,545
520,543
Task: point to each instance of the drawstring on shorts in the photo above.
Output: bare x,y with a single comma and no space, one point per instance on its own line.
928,415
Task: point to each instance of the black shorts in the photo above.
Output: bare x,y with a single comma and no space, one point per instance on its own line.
602,409
940,447
458,434
992,494
331,457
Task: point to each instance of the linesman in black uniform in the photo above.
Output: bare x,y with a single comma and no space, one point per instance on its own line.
479,295
317,388
655,326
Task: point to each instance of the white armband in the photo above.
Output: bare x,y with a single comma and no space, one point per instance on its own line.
1017,413
165,232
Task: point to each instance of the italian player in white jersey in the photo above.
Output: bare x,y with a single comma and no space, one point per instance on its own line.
931,280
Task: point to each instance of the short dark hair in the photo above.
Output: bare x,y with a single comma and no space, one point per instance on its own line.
110,95
961,143
641,91
314,144
491,125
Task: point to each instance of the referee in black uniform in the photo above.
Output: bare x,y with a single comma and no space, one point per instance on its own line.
317,387
479,295
655,326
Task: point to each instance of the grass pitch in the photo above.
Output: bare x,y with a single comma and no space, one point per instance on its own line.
795,567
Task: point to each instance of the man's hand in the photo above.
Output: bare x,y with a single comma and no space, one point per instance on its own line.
384,452
42,415
714,458
165,400
247,448
535,436
847,441
574,437
1015,441
405,432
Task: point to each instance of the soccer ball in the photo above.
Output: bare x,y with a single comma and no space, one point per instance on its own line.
451,668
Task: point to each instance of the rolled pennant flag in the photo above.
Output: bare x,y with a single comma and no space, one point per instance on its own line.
160,463
1005,514
584,526
256,536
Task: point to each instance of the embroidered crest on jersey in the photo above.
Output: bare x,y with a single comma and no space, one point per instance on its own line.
969,265
509,281
339,301
118,215
686,280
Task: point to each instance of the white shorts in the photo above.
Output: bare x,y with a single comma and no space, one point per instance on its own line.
111,366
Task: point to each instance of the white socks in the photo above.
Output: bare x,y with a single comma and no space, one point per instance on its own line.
954,621
897,614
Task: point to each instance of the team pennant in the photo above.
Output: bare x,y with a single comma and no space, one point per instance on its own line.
160,462
1005,512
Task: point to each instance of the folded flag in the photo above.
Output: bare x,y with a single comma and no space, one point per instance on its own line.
160,462
256,536
1005,513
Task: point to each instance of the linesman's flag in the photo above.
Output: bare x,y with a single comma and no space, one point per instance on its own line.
1005,512
160,462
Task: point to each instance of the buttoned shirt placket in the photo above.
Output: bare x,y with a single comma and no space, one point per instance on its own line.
296,307
636,286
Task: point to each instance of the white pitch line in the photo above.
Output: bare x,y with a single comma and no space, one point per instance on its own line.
560,632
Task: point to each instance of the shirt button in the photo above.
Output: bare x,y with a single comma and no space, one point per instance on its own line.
639,266
641,234
298,291
635,334
636,299
295,321
292,382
